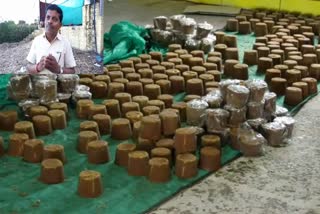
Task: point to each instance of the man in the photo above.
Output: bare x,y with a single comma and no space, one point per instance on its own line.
51,50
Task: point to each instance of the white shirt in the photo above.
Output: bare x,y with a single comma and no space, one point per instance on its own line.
60,48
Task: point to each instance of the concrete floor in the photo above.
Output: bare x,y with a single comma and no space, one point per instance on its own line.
284,180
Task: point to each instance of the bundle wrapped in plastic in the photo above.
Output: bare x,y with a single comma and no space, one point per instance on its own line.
188,25
213,98
47,91
196,112
165,37
255,110
280,111
179,37
270,99
217,120
68,82
288,122
275,133
257,89
237,96
223,85
81,94
237,115
26,104
176,21
207,43
160,22
192,44
155,34
203,30
257,123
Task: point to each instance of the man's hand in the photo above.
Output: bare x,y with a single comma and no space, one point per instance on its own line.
51,64
41,64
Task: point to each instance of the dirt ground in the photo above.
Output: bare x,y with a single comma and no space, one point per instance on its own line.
13,55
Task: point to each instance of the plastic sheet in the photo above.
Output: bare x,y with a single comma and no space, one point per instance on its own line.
196,112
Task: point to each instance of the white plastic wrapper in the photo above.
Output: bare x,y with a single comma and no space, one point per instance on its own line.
217,120
176,21
237,116
192,44
155,34
68,82
160,22
196,112
270,99
257,89
203,30
288,122
20,86
213,98
82,88
188,25
275,133
26,104
223,85
179,37
257,123
237,96
206,44
165,38
47,91
280,111
79,95
252,144
255,110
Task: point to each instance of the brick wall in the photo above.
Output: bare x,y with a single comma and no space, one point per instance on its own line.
82,37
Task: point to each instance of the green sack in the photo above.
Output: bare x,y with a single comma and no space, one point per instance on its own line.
124,40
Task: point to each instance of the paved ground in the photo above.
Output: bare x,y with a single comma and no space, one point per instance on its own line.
284,180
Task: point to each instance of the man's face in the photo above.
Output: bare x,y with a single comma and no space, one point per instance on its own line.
52,21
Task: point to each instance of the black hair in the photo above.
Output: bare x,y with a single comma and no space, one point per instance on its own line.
56,8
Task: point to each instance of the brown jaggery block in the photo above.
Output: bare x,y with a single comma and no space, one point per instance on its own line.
122,97
134,116
232,25
133,77
124,81
261,29
37,110
315,71
312,84
293,75
8,119
170,122
182,107
110,67
141,100
263,39
145,73
113,75
168,65
90,126
318,54
106,78
98,152
278,86
153,62
232,53
158,69
138,163
310,36
216,75
230,41
159,76
166,143
198,53
167,99
195,86
210,158
129,106
264,63
309,59
305,49
157,103
156,55
255,110
250,57
113,108
194,61
293,96
60,106
244,27
145,145
55,151
303,86
190,97
115,87
220,37
16,144
126,64
87,81
172,72
104,123
270,25
177,84
150,128
122,153
135,60
84,138
181,52
25,127
212,84
206,77
210,66
33,150
271,73
159,170
276,59
96,109
134,88
215,60
185,140
186,165
162,152
144,57
290,63
257,45
221,48
152,91
303,41
58,119
189,75
241,18
283,69
176,61
263,51
83,108
171,55
182,68
121,129
42,125
298,59
253,22
304,70
240,71
98,89
186,58
51,171
199,69
211,140
90,184
165,86
229,66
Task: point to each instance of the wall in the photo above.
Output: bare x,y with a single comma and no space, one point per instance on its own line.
82,37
